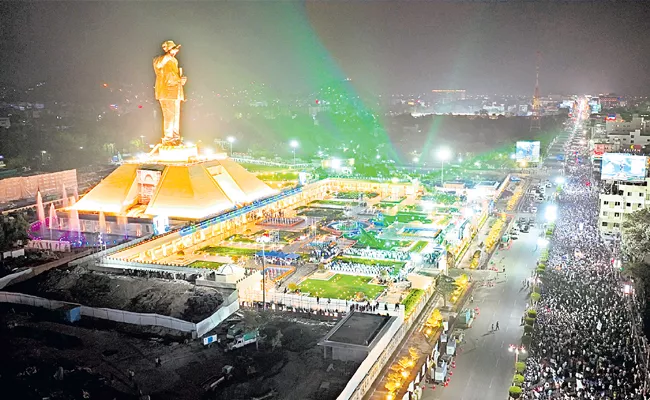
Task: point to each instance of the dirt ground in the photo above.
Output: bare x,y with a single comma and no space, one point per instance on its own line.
179,299
96,357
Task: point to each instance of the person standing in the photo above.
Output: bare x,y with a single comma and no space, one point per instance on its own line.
169,91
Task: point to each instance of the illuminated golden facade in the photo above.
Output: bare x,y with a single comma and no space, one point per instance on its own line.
174,180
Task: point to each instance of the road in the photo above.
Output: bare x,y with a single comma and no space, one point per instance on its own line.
484,364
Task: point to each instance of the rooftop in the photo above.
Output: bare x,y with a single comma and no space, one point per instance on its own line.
358,329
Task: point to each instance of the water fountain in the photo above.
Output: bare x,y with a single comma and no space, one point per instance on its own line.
40,210
52,218
64,195
102,222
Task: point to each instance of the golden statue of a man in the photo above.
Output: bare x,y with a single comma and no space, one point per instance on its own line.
169,91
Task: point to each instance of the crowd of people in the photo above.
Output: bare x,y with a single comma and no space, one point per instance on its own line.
324,252
146,273
377,254
584,345
385,272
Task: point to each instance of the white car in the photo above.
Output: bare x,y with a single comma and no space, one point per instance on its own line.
533,210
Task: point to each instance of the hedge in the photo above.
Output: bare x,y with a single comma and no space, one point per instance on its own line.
515,392
537,289
520,367
530,321
526,340
535,297
528,329
518,379
532,313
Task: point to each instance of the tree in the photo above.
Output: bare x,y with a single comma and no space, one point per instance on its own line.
635,238
13,228
446,286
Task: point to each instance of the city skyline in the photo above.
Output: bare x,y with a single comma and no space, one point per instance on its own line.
295,47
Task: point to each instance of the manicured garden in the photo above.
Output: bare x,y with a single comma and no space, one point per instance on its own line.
406,217
355,195
418,246
411,300
333,203
262,168
229,251
206,264
341,286
368,239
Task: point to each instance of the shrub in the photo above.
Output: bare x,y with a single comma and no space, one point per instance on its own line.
526,340
541,265
515,392
530,321
520,367
537,289
540,271
518,379
528,329
532,313
535,297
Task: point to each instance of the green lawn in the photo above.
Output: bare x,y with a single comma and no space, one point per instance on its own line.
355,195
412,299
419,246
334,202
262,168
341,287
229,251
406,217
206,264
368,239
401,199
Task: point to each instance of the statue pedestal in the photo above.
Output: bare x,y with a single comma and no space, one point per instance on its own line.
177,153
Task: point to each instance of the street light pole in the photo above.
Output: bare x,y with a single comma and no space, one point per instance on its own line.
231,140
263,277
294,144
442,175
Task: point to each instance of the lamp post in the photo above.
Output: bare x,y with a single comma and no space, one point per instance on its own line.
444,154
294,144
263,239
231,140
517,349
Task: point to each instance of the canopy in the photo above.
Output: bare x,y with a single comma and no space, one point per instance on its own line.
277,254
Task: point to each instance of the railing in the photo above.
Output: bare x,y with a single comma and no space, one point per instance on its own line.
111,250
313,303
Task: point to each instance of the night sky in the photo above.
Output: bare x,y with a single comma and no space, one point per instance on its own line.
385,47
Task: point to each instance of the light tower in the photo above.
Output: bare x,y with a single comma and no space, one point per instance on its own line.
535,124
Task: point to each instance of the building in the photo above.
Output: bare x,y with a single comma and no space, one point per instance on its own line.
189,189
443,96
608,101
619,200
627,133
357,335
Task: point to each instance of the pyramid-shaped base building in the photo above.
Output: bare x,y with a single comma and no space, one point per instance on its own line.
176,184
